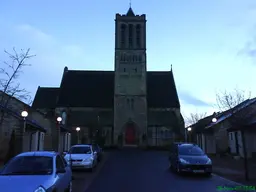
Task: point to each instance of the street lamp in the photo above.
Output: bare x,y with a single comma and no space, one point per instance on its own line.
77,130
189,129
24,114
59,119
214,120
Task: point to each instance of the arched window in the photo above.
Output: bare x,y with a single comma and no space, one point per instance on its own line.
123,32
130,35
138,35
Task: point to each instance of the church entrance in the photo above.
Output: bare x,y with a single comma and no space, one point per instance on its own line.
130,134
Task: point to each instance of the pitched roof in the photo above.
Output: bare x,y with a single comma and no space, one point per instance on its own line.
231,112
161,90
17,115
87,89
130,12
46,97
96,89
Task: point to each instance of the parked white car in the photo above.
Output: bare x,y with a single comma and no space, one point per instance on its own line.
82,157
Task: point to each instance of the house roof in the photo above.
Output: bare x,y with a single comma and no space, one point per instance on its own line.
46,97
96,89
28,120
228,113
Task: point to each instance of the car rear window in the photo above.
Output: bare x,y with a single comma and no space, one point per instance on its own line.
80,150
190,150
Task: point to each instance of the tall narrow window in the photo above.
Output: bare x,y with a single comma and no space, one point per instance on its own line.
138,35
123,32
132,103
128,103
130,35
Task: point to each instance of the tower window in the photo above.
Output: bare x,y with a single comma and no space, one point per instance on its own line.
123,31
135,70
130,35
132,103
128,103
140,58
124,69
138,34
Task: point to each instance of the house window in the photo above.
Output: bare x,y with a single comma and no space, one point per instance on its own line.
123,32
124,70
138,34
135,70
130,36
231,136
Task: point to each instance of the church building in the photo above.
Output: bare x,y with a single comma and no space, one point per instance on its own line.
127,106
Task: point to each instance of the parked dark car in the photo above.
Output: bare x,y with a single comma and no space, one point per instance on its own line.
188,157
99,151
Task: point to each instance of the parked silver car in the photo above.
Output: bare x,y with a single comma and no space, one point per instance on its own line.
82,157
38,171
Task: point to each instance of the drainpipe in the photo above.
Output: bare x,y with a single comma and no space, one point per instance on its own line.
246,174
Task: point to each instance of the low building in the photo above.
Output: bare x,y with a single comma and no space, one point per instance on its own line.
219,135
31,132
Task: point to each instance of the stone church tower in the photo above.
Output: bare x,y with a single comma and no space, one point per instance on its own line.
127,106
130,101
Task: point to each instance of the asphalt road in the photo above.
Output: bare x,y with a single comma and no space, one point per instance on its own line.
143,171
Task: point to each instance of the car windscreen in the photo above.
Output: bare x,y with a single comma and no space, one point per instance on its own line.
29,165
190,150
80,150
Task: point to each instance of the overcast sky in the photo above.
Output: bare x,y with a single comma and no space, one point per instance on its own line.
211,44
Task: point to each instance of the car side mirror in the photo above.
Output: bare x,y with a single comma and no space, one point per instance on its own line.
60,171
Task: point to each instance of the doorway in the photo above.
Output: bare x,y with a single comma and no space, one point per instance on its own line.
130,134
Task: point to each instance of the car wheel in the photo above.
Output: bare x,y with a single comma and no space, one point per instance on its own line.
178,169
91,169
209,174
170,166
69,189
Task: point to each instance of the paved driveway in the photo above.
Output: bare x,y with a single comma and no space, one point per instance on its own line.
147,171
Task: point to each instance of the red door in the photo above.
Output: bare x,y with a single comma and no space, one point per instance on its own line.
130,135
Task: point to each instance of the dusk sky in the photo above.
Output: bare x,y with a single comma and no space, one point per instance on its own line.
210,44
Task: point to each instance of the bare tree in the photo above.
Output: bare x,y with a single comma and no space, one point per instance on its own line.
238,105
9,75
228,100
194,118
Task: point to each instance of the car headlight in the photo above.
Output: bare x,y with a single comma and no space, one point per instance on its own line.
209,162
183,161
40,189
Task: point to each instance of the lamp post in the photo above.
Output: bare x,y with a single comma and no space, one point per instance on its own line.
24,114
59,119
78,139
189,129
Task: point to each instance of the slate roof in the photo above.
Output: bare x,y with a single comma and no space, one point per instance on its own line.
45,98
96,89
87,89
161,90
